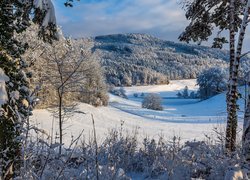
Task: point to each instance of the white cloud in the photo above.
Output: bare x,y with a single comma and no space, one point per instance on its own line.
162,18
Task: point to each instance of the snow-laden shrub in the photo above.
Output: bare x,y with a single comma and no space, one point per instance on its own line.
121,155
152,101
121,92
211,82
136,95
95,97
119,150
184,94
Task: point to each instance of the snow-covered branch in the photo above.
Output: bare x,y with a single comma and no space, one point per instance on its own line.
3,93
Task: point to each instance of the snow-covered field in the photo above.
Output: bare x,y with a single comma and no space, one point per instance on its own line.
188,118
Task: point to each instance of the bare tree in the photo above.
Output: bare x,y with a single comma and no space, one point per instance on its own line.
66,72
65,69
93,90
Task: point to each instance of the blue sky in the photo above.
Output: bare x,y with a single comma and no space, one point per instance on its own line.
161,18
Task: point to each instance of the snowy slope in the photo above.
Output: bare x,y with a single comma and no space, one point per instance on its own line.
169,90
189,120
141,58
174,107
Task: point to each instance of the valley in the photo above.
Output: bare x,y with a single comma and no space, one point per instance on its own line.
190,119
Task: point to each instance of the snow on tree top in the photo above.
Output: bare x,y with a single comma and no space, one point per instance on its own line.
3,93
3,77
48,7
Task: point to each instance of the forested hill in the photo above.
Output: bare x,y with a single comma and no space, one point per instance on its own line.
140,59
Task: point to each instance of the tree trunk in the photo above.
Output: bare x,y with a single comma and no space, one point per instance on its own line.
60,117
246,127
231,114
233,84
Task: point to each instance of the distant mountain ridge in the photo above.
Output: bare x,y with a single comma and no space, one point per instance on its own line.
141,59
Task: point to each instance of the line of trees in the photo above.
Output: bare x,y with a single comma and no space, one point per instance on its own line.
139,59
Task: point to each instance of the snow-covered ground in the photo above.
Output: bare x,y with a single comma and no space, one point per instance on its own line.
188,118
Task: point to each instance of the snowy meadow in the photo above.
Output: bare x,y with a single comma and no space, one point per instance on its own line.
189,119
127,141
126,105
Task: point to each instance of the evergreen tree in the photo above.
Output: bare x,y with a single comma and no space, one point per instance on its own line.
185,92
179,95
192,95
15,17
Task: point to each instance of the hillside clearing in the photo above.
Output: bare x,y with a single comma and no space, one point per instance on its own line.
187,118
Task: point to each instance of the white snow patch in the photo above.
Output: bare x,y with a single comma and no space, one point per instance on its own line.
3,93
48,7
169,90
189,119
15,95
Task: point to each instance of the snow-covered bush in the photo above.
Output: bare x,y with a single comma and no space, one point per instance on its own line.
184,94
152,101
136,95
121,155
211,82
121,92
179,95
194,95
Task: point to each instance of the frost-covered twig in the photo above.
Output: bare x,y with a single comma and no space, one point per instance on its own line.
72,151
96,149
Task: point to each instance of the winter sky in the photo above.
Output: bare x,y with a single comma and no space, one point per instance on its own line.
162,18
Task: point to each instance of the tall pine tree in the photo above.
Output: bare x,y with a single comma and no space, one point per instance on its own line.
15,17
